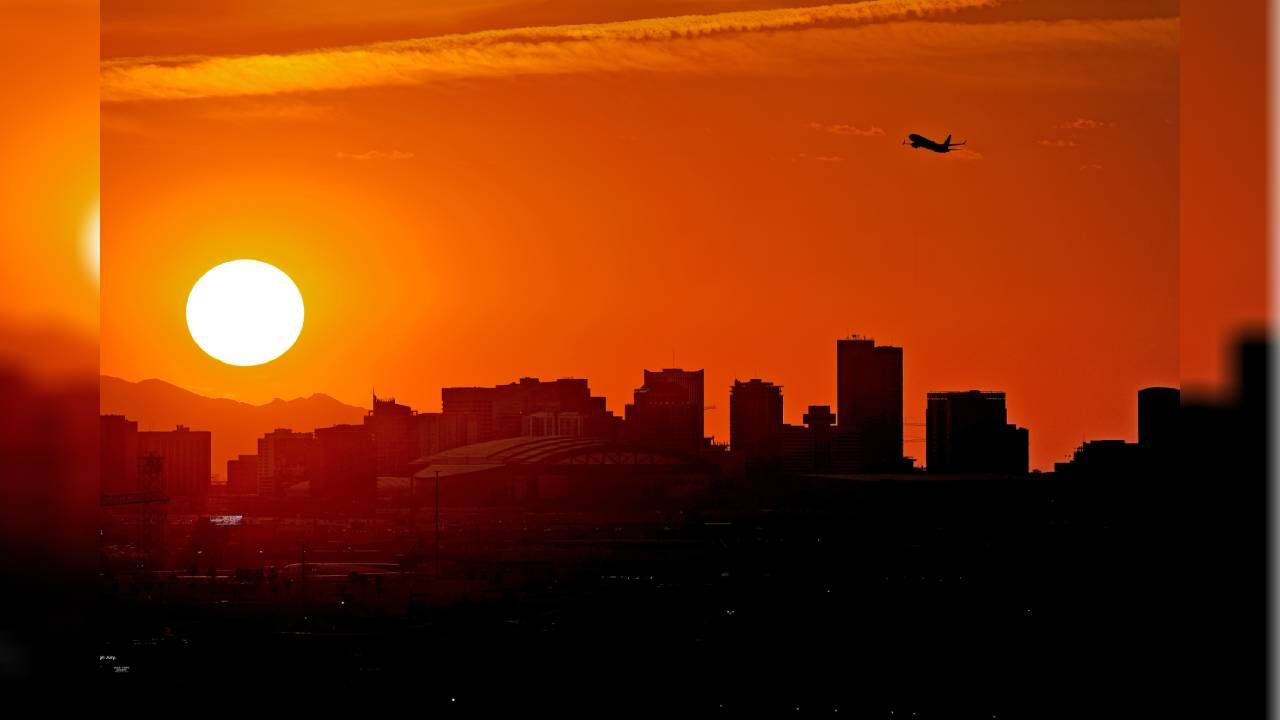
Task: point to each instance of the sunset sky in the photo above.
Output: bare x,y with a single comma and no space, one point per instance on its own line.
488,189
48,166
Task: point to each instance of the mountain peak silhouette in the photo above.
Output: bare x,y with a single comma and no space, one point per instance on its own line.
235,425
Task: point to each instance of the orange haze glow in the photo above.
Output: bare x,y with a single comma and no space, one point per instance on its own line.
483,190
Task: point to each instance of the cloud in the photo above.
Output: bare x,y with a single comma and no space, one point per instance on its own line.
1082,124
653,44
1058,143
1091,166
375,155
269,110
873,131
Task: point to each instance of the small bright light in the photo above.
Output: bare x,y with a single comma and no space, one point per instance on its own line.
245,312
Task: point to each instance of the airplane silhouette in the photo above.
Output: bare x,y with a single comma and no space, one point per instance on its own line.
920,141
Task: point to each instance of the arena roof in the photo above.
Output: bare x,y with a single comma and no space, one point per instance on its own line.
542,451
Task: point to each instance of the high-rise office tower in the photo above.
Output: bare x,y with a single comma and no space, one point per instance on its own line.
666,411
868,406
755,421
969,432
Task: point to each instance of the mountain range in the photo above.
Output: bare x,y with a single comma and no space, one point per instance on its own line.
234,426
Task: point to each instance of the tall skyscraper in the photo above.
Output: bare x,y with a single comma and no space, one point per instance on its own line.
969,432
666,412
395,439
868,406
755,421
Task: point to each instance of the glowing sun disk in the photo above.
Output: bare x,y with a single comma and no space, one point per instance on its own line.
245,312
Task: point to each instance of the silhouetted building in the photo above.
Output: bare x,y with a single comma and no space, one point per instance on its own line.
1161,438
807,448
187,467
1221,520
285,458
150,474
1158,421
969,432
473,406
118,440
869,406
1229,435
515,401
1253,373
529,407
546,423
346,465
797,449
1103,459
242,475
438,432
820,422
820,417
395,438
1018,448
755,421
666,412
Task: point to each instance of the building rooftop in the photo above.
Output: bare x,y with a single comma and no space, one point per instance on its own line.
539,451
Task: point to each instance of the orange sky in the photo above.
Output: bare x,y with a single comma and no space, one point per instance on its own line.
491,189
48,164
1224,192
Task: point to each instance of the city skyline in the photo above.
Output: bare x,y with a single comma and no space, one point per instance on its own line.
690,184
434,308
463,400
492,344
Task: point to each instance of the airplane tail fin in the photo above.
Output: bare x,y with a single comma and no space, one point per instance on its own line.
947,141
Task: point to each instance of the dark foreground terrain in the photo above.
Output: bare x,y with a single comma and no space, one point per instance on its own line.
981,596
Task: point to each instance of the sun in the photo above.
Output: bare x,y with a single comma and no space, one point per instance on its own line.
245,312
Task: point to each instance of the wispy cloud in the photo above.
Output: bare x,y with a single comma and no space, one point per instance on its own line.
375,155
873,131
655,43
1082,124
253,110
1091,166
1058,143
